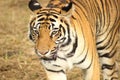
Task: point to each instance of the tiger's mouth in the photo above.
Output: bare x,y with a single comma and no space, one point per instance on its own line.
47,56
53,56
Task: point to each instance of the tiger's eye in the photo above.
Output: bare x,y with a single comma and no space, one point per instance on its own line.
54,32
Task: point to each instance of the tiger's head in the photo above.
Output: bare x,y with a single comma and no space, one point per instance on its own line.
49,28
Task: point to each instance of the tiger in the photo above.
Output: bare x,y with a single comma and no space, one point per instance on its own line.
76,33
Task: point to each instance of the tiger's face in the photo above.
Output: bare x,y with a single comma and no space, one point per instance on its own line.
47,30
47,34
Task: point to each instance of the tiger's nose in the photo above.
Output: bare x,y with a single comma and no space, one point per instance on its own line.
43,52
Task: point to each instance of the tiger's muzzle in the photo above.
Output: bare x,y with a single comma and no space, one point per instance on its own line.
48,55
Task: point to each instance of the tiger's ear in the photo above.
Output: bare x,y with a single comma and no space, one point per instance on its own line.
34,5
67,10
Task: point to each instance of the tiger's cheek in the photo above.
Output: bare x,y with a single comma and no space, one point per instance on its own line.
56,37
33,37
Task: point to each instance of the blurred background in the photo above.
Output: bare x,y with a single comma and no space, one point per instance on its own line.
17,58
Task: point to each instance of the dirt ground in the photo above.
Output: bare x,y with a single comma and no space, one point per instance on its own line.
17,58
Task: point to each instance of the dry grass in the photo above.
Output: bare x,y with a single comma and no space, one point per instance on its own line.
17,58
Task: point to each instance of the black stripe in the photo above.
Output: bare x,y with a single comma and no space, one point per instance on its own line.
80,7
61,20
32,22
68,27
48,59
61,27
102,47
30,37
107,66
111,53
73,17
62,58
39,16
74,48
67,43
114,78
102,4
75,45
111,40
99,42
90,63
114,72
53,25
107,55
52,20
41,19
36,26
56,65
69,39
59,71
55,16
82,60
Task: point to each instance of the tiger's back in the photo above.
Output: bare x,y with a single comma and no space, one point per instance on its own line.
75,33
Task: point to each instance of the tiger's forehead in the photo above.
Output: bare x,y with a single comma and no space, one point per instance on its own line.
49,11
48,16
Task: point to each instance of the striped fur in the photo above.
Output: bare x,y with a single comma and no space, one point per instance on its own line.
82,33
